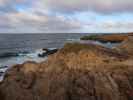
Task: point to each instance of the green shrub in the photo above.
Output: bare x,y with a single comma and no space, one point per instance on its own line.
91,37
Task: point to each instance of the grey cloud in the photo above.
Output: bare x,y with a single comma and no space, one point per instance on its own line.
101,6
21,22
6,6
71,6
10,6
36,17
116,25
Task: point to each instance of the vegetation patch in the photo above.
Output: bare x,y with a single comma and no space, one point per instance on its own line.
91,37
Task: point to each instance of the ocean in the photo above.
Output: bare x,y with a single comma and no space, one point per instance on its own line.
17,48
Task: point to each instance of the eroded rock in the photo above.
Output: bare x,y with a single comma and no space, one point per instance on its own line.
126,46
76,72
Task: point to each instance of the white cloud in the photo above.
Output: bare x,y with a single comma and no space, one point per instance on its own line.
110,24
30,22
57,15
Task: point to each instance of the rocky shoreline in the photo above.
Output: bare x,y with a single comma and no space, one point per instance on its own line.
40,55
76,72
113,38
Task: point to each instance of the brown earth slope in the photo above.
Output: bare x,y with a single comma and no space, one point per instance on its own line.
76,72
108,37
126,46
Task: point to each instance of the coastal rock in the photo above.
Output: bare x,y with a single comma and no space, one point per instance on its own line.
126,46
112,38
47,52
76,72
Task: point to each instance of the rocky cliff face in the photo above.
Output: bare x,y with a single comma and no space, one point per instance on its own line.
113,38
76,72
126,46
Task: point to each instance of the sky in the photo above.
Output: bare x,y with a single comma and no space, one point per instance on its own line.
66,16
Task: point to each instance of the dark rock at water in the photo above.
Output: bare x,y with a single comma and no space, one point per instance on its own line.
47,52
52,51
42,55
45,49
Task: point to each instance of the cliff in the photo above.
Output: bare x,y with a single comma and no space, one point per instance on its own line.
113,38
76,72
126,46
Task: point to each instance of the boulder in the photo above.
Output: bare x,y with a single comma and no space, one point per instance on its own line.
76,72
47,52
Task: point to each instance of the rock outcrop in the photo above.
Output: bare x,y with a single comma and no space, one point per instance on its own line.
126,46
113,38
76,72
47,52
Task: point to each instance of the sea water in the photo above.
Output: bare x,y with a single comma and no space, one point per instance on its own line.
18,48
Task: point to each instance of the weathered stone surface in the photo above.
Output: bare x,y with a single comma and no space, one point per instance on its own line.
76,72
126,46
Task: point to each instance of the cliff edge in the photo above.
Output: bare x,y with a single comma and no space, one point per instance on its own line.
76,72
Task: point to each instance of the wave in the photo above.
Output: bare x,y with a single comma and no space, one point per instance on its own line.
8,54
11,58
13,54
73,40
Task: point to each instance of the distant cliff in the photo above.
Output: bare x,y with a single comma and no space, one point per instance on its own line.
114,38
76,72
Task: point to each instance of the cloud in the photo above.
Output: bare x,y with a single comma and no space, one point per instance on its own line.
10,6
64,15
71,6
109,26
117,24
100,6
25,22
